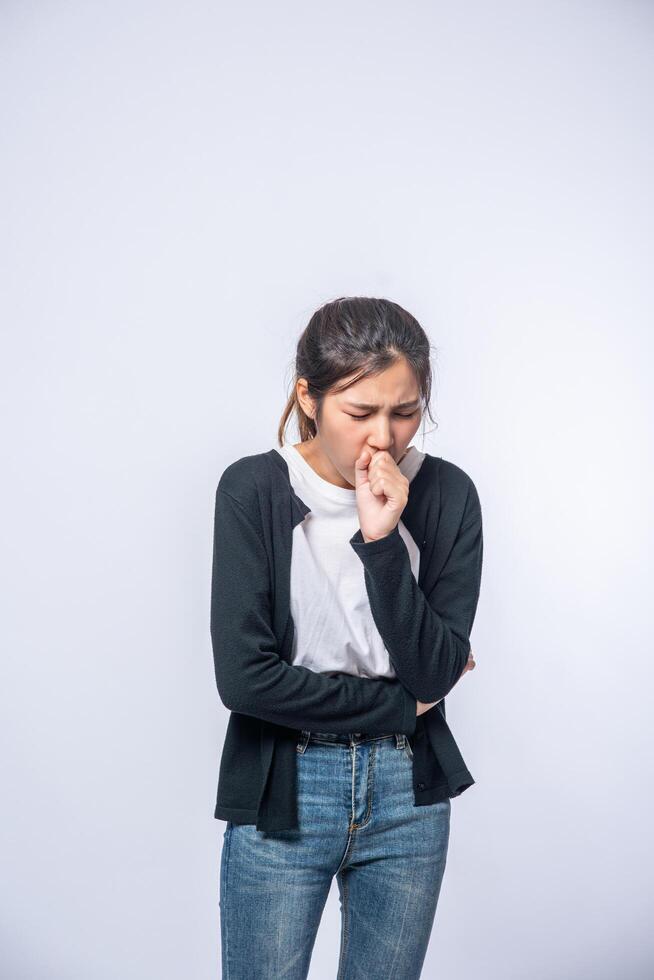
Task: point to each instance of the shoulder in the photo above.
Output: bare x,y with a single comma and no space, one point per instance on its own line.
457,493
242,471
248,478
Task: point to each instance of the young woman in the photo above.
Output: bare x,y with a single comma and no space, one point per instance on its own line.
346,574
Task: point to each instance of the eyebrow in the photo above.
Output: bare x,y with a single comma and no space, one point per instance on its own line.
372,408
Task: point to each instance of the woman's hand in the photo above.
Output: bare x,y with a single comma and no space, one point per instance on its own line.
382,493
423,706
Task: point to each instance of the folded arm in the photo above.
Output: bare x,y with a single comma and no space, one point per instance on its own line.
250,675
427,636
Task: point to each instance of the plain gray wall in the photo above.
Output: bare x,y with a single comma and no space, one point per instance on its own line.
182,185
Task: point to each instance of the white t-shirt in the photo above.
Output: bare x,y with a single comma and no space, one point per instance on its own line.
334,627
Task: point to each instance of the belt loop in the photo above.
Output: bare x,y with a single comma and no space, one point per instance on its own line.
400,740
303,741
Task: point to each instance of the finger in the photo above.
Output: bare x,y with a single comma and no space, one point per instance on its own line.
364,459
361,470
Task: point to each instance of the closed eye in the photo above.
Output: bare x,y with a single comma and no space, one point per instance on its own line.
400,415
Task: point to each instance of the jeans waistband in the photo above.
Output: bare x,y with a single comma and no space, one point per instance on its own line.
352,738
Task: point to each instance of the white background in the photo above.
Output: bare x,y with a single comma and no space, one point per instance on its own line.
181,186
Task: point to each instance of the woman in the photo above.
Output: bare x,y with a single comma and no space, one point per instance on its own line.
346,574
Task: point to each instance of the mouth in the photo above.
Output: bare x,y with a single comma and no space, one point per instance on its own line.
399,460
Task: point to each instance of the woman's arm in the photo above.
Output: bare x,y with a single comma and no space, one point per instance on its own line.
250,675
427,636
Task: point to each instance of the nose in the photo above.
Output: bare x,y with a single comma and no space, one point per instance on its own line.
380,438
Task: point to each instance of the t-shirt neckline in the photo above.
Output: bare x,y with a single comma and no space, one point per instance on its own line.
340,495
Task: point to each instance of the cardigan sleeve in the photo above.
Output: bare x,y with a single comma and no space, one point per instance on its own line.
427,636
252,678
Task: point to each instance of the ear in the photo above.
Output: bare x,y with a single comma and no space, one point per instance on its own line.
304,399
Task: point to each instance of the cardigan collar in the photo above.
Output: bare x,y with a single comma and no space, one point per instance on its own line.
298,506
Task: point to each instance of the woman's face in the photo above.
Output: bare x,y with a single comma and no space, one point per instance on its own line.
381,412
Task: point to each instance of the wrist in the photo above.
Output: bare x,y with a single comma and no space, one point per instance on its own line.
369,539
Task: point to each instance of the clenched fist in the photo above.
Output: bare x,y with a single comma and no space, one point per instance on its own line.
382,492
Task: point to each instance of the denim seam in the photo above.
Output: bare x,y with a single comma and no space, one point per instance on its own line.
345,928
369,787
224,913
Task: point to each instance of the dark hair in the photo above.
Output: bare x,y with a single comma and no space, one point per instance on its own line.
355,334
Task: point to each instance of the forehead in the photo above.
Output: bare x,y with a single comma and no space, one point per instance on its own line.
396,383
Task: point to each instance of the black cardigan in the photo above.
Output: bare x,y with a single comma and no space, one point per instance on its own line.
425,627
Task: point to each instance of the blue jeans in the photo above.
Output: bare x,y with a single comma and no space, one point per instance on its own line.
357,821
